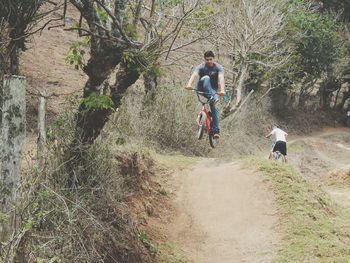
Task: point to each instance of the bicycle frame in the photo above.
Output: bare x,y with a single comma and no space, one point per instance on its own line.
204,120
208,119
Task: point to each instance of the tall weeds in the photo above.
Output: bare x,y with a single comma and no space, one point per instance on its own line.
85,223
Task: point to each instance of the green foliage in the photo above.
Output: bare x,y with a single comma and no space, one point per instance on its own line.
143,236
339,6
29,224
103,14
3,218
131,31
97,101
75,56
165,252
172,2
120,141
59,122
140,60
316,39
55,259
169,253
204,16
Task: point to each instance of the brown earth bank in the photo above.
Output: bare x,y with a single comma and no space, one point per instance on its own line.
43,64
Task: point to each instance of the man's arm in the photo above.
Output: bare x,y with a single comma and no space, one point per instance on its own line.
222,84
268,135
192,78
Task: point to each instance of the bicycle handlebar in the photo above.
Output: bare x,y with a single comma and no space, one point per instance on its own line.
202,92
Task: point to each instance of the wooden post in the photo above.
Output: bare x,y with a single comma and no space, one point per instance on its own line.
41,125
11,142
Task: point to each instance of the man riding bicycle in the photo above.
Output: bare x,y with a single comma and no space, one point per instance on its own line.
281,142
211,76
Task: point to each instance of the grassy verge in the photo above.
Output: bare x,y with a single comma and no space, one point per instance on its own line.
316,229
163,252
176,161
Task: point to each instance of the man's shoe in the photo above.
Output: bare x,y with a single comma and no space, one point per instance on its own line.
216,136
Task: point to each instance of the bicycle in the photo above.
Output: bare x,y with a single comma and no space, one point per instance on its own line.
276,155
204,119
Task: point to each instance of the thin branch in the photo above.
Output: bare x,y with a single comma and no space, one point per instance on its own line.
89,33
173,41
267,92
234,110
120,29
184,45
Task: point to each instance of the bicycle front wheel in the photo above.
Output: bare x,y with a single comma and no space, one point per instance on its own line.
201,125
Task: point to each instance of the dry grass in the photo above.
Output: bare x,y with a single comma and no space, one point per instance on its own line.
339,177
89,222
168,124
317,230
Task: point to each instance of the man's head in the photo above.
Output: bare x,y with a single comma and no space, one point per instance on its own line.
209,58
275,126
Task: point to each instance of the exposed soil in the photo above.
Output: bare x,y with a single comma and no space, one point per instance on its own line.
45,68
225,214
324,157
321,154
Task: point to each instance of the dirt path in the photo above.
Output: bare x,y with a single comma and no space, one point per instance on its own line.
324,157
226,214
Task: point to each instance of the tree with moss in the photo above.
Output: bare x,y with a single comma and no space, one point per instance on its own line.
126,37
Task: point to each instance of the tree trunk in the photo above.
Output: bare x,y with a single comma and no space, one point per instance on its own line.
12,140
150,80
125,77
336,98
323,96
91,122
228,110
346,96
14,60
241,79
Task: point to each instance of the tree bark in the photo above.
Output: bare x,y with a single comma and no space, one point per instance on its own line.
125,77
12,140
150,81
91,122
228,110
241,79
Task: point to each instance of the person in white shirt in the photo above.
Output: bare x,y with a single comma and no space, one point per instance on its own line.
347,120
281,141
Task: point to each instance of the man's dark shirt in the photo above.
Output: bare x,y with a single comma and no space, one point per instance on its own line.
212,72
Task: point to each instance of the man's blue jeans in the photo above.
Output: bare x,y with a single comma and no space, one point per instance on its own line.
204,85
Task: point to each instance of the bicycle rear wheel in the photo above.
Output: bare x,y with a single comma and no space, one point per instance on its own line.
214,142
277,156
201,125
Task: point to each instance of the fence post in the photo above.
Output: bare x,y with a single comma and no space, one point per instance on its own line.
12,138
41,125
